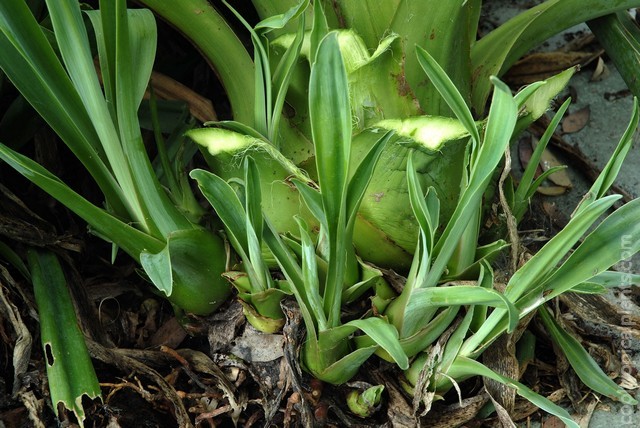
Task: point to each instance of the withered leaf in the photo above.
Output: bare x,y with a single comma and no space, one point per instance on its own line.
601,72
559,178
576,120
551,190
542,65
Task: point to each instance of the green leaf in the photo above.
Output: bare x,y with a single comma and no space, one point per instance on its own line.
201,23
448,91
500,125
313,201
527,281
385,336
158,267
582,363
527,185
360,180
279,21
446,30
330,116
618,34
69,369
458,295
543,263
341,369
319,31
426,208
262,80
310,275
365,403
292,271
73,42
616,279
33,67
329,359
465,367
589,288
537,103
371,19
104,224
616,238
11,257
282,77
253,197
196,258
225,202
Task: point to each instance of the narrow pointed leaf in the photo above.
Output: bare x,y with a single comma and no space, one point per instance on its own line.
385,336
610,172
330,116
500,125
616,238
466,366
458,295
226,204
448,91
310,275
582,363
104,224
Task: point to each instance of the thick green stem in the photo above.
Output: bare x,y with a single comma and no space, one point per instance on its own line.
210,33
620,37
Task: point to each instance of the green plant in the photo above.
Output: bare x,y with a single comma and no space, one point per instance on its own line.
431,284
181,258
449,271
327,352
538,281
386,81
379,108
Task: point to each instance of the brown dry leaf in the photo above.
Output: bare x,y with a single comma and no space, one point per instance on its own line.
542,65
525,150
590,406
167,88
601,72
170,334
576,120
551,190
559,178
553,422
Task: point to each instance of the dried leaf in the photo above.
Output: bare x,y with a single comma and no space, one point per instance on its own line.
542,65
559,178
601,72
576,121
553,422
254,346
167,88
525,150
551,190
170,334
